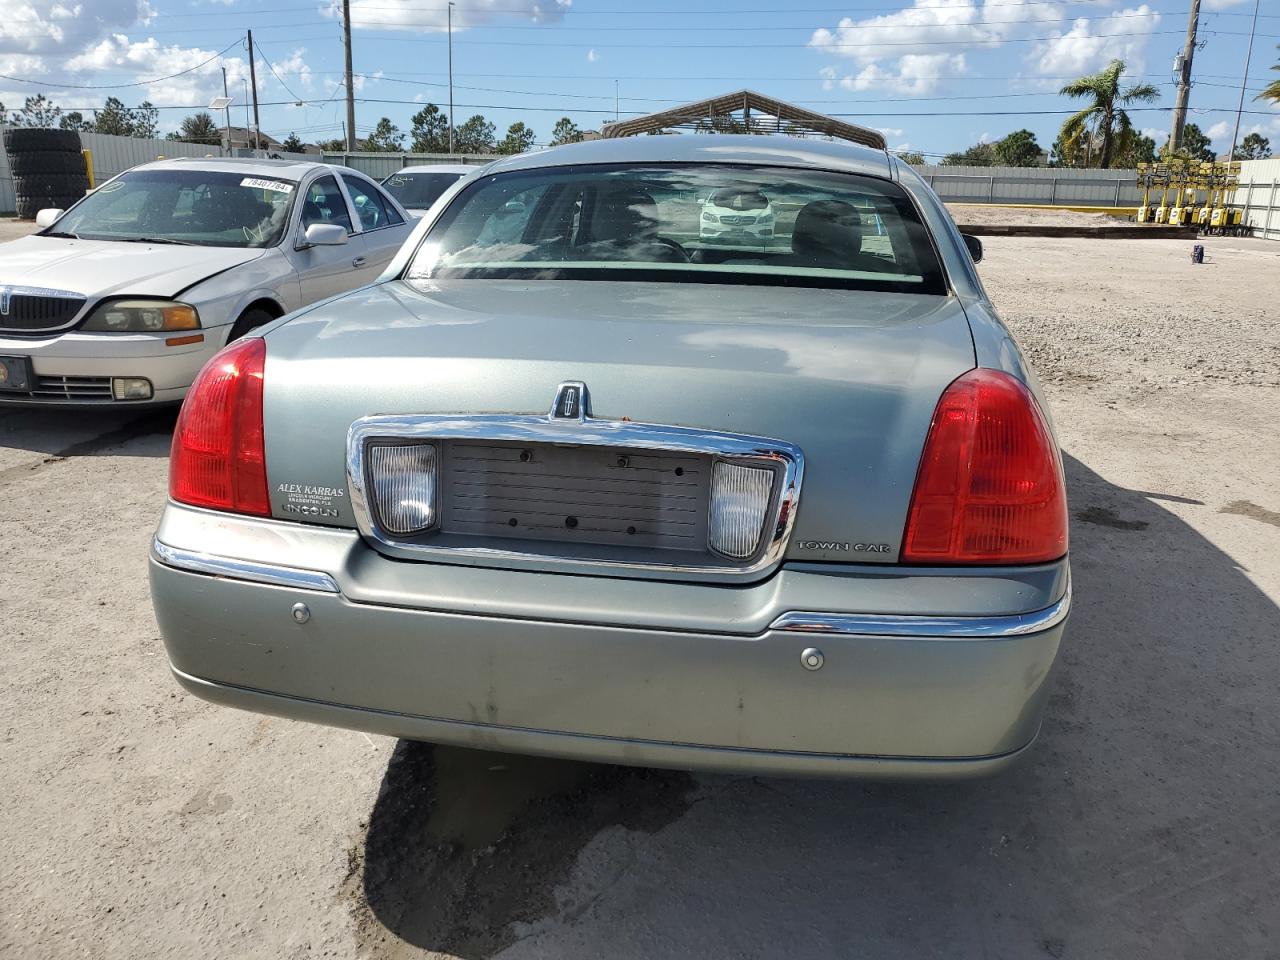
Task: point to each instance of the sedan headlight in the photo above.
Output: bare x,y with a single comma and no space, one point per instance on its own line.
710,218
142,316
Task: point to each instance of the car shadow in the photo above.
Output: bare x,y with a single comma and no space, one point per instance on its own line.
1143,823
87,432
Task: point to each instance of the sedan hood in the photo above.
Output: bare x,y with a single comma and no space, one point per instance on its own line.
852,378
98,268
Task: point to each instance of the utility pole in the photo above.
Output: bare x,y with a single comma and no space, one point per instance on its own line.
253,76
1184,78
451,76
227,110
351,90
1244,81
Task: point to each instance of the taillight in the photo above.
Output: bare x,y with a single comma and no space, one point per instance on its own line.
990,487
217,459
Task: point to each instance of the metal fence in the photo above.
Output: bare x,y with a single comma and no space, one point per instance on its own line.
1259,196
1048,185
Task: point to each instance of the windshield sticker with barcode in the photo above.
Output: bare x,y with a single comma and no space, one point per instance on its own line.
279,186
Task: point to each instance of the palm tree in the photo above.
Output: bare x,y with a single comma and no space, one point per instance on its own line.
1272,90
1104,118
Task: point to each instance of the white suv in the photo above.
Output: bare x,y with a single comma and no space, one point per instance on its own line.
739,216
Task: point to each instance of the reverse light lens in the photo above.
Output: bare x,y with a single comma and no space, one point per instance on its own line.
990,487
142,316
217,459
403,478
739,505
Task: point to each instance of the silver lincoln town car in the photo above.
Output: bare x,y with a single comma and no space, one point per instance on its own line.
571,480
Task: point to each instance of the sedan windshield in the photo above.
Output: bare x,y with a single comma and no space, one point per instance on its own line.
216,209
688,222
418,191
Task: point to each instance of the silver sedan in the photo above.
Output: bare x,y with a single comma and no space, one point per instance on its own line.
570,481
123,298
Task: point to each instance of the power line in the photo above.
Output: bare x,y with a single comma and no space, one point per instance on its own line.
684,10
114,86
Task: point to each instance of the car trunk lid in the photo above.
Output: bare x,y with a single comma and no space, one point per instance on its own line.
849,377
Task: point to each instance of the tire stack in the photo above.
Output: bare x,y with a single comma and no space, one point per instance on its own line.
47,168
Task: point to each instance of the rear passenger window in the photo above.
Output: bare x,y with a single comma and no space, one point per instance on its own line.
368,203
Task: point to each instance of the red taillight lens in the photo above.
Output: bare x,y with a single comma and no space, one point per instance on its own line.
990,487
217,459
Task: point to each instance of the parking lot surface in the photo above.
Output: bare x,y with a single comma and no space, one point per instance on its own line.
137,821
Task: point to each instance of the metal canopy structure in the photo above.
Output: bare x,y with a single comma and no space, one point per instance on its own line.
773,116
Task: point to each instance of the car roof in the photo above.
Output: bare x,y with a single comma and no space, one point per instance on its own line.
767,150
440,168
249,166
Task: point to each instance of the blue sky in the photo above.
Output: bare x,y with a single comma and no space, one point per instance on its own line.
935,75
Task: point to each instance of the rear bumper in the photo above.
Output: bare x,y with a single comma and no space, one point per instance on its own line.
910,696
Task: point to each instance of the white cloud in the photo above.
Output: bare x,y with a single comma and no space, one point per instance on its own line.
922,26
905,51
414,15
295,66
914,74
828,75
592,56
1091,44
1222,4
148,58
890,132
1219,129
54,27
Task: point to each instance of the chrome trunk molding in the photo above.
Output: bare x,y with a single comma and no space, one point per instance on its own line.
926,627
584,430
235,569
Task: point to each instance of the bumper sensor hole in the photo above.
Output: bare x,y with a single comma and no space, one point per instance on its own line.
526,456
570,522
631,531
513,522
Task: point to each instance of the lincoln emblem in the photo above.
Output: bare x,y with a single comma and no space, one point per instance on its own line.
570,402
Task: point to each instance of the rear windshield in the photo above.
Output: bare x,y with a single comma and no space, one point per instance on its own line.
694,222
419,190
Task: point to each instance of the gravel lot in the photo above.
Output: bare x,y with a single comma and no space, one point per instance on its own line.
136,821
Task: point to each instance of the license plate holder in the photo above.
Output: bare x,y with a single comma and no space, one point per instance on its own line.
15,374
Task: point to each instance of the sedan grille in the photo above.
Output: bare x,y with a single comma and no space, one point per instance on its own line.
37,309
737,220
71,388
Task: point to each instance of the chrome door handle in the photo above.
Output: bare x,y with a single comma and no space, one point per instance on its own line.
358,262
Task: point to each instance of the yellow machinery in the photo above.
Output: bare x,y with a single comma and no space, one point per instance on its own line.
1180,183
1150,176
1184,193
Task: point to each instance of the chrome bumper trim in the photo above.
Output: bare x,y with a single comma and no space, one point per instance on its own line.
926,627
234,569
784,458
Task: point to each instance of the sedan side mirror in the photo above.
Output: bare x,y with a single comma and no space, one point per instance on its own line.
974,245
323,235
47,217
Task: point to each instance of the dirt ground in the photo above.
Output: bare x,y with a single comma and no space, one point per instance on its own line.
982,213
137,821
